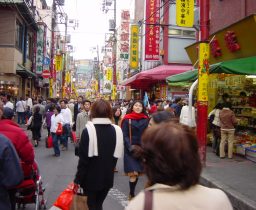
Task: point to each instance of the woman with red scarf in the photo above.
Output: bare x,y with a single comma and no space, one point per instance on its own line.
133,125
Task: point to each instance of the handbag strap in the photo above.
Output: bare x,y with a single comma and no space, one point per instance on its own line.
148,202
130,130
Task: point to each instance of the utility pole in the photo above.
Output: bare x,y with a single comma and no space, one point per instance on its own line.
65,57
114,55
203,74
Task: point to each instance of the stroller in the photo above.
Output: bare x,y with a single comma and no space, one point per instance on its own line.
30,190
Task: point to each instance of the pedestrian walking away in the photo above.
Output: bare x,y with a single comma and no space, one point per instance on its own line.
133,125
36,125
101,144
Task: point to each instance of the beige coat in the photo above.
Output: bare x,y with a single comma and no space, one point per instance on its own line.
171,198
81,121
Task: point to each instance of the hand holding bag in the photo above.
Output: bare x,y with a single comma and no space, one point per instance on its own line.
49,142
59,130
79,201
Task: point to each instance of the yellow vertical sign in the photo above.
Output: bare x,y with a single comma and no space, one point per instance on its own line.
113,97
50,88
185,13
109,74
58,62
134,46
203,71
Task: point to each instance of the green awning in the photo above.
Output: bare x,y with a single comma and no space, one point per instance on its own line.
23,72
242,66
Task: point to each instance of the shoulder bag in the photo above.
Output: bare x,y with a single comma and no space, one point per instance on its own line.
148,202
136,150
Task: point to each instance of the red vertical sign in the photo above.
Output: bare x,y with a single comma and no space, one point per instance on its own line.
152,31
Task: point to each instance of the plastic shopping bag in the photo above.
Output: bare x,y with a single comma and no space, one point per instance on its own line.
65,198
49,142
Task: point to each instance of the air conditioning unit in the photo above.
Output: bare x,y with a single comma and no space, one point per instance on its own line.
112,25
109,2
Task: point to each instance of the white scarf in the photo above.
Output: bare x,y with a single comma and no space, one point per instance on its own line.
93,144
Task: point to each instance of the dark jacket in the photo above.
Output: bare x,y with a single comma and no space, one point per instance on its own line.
97,173
137,127
37,120
19,139
76,112
10,171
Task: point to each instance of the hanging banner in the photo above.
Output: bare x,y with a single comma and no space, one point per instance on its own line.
58,63
203,71
152,30
40,48
134,47
124,35
185,13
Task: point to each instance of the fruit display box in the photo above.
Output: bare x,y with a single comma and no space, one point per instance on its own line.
250,153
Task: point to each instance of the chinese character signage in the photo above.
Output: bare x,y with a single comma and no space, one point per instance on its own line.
152,31
134,44
203,71
185,13
40,48
58,62
124,35
231,41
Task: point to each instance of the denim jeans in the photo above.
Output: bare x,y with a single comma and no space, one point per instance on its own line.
56,139
65,135
21,117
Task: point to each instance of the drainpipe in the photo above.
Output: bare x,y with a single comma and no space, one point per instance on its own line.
190,101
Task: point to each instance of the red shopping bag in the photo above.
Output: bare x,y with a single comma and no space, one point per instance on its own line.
65,198
59,130
49,142
73,136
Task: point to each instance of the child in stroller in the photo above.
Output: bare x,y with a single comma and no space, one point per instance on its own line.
30,190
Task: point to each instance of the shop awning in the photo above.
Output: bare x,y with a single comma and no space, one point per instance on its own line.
158,74
243,66
23,72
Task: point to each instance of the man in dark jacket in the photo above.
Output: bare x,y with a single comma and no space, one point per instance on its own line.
77,109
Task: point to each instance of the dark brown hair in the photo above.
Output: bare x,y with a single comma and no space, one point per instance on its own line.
101,109
170,155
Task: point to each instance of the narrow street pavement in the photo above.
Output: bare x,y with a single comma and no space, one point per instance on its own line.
58,172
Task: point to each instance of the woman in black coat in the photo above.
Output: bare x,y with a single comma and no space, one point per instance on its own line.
95,170
36,125
133,125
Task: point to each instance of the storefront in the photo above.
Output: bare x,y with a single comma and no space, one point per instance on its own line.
153,81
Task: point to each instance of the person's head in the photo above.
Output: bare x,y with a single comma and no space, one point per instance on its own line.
80,99
3,97
218,106
63,103
57,110
51,108
87,105
137,107
170,155
40,101
177,100
8,113
159,117
37,109
101,109
227,105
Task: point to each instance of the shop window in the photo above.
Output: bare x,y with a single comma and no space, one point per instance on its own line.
182,33
29,52
19,34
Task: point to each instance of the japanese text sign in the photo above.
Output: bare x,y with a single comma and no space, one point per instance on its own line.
134,44
185,13
152,30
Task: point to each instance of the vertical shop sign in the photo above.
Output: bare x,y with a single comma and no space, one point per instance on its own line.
58,62
152,30
124,35
185,13
134,46
203,71
40,48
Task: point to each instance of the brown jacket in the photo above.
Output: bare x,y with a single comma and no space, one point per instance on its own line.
227,119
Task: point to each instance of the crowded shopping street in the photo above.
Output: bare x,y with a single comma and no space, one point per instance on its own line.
127,104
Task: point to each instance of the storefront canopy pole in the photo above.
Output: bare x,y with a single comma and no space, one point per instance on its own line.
190,102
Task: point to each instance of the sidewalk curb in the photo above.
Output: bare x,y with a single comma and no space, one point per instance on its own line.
239,201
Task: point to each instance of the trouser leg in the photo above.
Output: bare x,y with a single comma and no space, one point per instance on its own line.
230,143
222,143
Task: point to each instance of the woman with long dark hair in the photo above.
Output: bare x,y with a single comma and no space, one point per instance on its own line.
36,125
133,125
